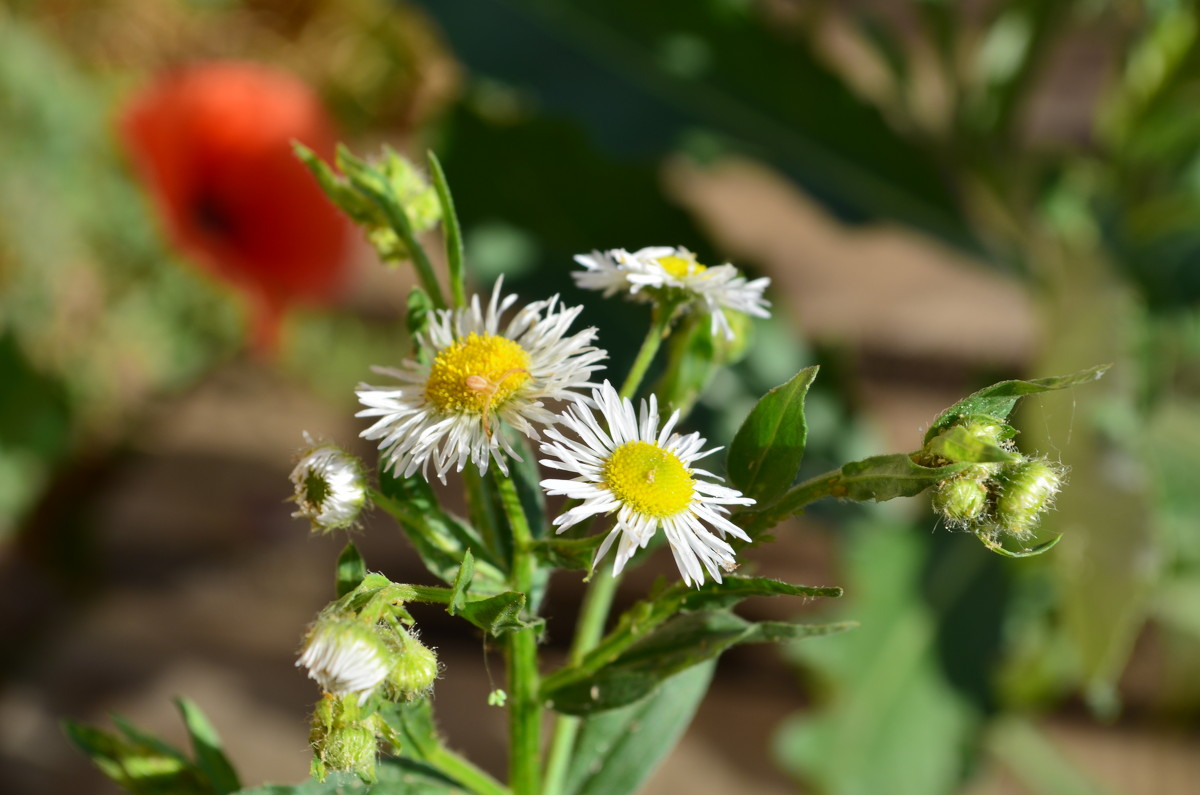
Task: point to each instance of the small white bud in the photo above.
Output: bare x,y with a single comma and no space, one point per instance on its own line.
330,488
345,656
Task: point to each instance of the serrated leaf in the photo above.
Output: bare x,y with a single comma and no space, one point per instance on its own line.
207,747
767,450
497,614
351,569
617,750
998,400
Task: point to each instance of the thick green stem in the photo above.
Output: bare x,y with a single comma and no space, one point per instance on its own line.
525,708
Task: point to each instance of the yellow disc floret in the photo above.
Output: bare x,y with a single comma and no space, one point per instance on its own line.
649,479
476,373
678,267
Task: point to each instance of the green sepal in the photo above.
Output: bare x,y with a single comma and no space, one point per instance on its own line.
617,750
998,400
995,546
351,569
206,744
958,444
676,645
439,538
767,450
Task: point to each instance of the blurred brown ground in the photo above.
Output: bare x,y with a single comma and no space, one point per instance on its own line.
204,583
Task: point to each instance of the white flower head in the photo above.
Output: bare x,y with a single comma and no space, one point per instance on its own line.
344,656
330,487
666,273
480,376
646,476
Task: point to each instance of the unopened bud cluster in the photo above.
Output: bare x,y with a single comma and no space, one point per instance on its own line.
354,660
996,499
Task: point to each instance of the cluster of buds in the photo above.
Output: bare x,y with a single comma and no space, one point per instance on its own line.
354,659
1002,493
368,187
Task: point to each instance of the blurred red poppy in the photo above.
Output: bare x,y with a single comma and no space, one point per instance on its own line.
213,143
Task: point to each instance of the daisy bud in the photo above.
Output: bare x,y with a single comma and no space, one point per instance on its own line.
961,500
340,741
330,488
345,657
414,669
1026,490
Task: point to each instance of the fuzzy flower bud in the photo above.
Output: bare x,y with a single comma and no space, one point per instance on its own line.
414,668
1026,490
330,488
345,656
961,500
341,741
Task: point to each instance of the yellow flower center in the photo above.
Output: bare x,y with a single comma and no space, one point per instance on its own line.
678,267
476,373
649,479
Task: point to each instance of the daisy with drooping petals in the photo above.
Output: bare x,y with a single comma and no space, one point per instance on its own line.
480,378
646,476
665,273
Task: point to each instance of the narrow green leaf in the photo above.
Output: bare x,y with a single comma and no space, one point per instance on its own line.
143,768
617,750
452,231
351,569
997,401
886,477
207,747
767,450
679,643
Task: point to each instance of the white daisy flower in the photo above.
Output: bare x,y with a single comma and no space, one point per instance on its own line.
646,476
343,656
480,376
330,487
664,272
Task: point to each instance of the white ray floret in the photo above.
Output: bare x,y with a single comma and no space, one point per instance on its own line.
658,273
345,657
480,376
629,466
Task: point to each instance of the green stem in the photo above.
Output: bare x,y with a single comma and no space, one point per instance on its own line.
660,326
525,708
475,780
398,220
597,601
800,496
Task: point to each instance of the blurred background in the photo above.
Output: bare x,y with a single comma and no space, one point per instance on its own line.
943,193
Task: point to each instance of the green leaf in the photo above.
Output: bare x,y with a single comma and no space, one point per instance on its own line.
958,444
886,477
997,401
462,581
679,643
767,450
497,614
439,538
351,569
416,317
568,553
207,747
452,231
143,767
617,750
